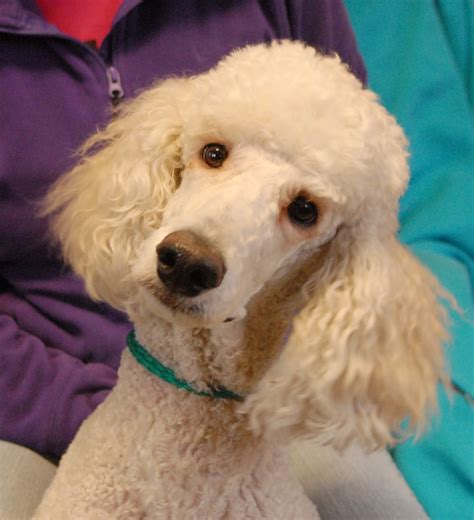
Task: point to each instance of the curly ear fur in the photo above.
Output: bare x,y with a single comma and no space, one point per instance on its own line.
365,352
102,209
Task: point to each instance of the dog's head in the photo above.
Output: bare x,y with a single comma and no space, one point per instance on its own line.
206,188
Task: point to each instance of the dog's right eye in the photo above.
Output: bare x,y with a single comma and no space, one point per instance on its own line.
302,212
214,154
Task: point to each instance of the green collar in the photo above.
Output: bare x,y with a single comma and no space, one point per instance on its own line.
167,374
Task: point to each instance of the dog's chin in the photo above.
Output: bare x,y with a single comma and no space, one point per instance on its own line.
185,311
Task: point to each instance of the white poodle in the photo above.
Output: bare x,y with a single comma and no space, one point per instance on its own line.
246,221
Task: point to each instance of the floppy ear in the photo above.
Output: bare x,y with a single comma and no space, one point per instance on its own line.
105,206
365,352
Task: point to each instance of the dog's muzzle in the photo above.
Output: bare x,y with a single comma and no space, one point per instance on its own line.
188,265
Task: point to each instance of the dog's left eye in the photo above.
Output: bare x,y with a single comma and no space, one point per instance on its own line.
214,154
302,212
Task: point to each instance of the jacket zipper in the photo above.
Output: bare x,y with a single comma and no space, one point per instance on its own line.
114,81
115,85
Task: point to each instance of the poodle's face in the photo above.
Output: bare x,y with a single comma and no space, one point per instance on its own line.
294,132
286,144
228,229
207,188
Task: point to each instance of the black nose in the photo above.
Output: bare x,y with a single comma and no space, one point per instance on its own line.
188,265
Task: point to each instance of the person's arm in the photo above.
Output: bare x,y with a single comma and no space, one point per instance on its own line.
45,394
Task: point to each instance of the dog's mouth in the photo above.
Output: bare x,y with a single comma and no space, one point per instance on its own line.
178,304
181,305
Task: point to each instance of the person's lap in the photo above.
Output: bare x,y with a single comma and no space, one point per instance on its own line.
24,477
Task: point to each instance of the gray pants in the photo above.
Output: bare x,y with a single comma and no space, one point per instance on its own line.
349,487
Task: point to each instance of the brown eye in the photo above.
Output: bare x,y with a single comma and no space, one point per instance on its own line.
302,212
214,154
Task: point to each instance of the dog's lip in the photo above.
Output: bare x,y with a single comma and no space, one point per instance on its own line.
185,309
178,306
188,309
176,303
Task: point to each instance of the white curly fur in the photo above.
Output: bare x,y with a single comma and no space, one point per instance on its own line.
336,330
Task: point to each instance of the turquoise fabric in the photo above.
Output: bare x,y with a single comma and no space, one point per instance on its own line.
419,55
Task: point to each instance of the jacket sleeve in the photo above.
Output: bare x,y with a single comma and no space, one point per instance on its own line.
46,420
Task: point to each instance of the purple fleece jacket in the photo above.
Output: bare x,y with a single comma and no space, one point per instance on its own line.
59,351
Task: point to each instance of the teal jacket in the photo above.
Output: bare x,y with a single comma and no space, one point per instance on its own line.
420,59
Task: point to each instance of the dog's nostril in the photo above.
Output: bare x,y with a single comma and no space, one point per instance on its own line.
168,257
201,277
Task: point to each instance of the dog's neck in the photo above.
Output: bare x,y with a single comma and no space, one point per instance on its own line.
232,355
210,358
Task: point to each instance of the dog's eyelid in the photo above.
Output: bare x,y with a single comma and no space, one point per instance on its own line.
290,194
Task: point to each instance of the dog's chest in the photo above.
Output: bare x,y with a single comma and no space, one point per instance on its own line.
145,455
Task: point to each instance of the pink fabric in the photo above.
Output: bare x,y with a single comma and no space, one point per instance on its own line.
85,20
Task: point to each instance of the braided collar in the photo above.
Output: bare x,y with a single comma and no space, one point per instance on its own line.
147,360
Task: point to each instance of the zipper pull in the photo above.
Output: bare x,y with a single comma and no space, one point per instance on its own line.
115,85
